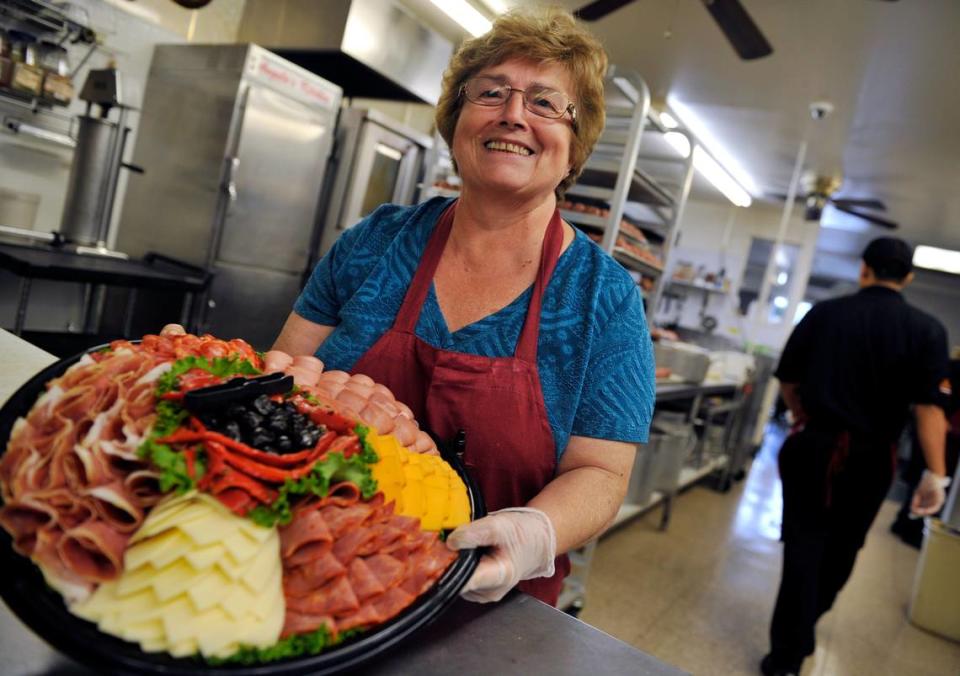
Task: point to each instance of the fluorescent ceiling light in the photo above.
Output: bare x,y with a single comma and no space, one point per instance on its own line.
781,302
932,258
721,180
668,120
679,142
690,120
497,6
464,14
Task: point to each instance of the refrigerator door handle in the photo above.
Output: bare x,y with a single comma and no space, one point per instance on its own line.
233,164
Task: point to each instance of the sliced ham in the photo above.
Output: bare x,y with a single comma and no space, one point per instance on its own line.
309,527
116,506
23,518
365,584
93,550
302,623
351,578
309,577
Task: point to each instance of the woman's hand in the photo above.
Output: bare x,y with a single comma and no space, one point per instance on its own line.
523,545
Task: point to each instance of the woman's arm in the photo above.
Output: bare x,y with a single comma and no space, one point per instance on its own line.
301,336
591,483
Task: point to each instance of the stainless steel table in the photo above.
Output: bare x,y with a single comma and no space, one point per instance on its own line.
519,635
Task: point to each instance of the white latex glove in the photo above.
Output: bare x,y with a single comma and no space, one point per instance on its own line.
523,545
930,493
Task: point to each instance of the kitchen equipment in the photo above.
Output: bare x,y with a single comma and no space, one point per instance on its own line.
687,361
377,161
27,76
951,509
56,66
237,141
26,593
6,63
97,160
935,603
658,463
371,48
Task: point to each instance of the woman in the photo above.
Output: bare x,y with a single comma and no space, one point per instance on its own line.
491,315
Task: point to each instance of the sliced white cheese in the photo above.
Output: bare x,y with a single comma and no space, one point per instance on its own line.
209,583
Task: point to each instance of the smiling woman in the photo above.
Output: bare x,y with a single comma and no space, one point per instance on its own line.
492,319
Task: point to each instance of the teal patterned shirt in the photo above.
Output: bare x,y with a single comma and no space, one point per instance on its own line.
594,354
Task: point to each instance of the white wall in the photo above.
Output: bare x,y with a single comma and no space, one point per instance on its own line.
718,235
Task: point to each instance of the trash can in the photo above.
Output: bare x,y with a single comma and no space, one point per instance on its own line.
935,604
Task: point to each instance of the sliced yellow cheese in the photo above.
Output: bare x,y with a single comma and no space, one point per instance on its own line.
419,485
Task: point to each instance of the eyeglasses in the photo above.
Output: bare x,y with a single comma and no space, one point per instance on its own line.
540,100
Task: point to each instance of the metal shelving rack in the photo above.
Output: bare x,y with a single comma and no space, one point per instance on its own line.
44,18
637,175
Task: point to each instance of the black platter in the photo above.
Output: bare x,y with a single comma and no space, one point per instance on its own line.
42,609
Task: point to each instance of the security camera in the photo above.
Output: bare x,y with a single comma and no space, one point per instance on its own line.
820,109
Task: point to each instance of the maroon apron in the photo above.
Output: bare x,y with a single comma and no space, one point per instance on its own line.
497,401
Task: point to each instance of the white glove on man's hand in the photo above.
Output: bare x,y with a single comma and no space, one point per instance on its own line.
523,545
930,493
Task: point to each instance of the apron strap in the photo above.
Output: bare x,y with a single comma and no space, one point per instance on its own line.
550,254
409,313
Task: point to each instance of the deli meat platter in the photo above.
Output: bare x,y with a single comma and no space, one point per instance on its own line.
169,508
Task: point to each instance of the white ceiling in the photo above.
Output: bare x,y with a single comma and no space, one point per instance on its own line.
889,68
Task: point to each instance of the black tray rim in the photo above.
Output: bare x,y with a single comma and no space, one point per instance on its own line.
43,611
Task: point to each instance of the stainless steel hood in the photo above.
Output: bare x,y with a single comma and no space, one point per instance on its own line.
371,48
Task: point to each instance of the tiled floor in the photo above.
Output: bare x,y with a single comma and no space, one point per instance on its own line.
699,596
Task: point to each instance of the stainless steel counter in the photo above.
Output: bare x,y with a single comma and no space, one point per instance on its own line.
520,635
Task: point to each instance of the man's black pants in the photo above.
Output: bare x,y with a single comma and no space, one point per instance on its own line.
833,486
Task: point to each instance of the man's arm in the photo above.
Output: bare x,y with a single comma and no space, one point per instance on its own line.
930,493
791,396
932,432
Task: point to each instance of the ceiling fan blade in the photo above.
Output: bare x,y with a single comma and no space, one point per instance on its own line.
599,9
876,220
869,203
739,28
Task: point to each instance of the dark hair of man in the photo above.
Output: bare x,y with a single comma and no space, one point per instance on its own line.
890,258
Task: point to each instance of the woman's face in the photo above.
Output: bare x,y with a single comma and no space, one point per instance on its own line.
508,148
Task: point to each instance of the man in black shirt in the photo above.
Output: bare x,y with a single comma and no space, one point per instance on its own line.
849,374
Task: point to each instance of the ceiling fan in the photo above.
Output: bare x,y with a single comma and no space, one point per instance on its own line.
730,15
820,190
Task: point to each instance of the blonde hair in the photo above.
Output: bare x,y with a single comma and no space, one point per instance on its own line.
548,35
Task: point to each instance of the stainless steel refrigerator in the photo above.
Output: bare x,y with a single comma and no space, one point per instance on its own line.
235,143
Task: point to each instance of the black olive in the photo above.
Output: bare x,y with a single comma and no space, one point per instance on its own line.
284,445
232,430
235,410
278,420
264,405
262,438
306,439
251,420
